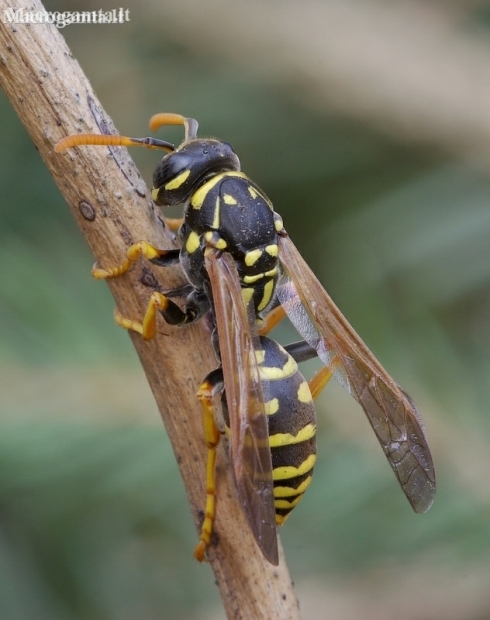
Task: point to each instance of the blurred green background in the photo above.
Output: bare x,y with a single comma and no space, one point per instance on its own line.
368,125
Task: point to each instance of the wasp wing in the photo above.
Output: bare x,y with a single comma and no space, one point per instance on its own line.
250,452
394,417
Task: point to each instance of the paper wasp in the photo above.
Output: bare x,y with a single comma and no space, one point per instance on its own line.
245,272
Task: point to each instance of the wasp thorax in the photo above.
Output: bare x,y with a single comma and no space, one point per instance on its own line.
181,173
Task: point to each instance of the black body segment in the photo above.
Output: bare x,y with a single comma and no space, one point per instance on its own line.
230,205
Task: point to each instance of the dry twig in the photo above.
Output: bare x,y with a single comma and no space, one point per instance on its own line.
113,209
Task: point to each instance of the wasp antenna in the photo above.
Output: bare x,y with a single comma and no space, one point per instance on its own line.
191,126
151,143
93,139
168,118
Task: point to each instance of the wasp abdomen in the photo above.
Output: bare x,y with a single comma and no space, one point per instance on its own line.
292,426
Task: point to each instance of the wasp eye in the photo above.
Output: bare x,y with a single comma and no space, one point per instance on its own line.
171,166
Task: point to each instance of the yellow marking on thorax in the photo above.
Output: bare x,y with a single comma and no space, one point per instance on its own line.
217,214
264,198
247,294
273,373
266,295
228,199
252,257
289,491
287,439
199,196
272,249
252,279
192,243
154,193
177,181
304,393
289,471
272,406
267,274
259,355
214,238
278,223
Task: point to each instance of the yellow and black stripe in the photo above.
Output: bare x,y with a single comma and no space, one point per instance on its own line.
292,425
231,213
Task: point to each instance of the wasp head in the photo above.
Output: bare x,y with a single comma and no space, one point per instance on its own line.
181,173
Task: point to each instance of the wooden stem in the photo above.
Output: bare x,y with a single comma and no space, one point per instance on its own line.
113,208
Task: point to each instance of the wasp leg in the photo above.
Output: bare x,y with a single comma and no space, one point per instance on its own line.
173,223
319,381
148,328
197,305
212,385
274,317
301,352
163,258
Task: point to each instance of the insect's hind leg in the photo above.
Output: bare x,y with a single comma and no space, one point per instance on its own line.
212,385
319,381
273,318
301,352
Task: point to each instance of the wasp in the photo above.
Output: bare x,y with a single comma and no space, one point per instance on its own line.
245,273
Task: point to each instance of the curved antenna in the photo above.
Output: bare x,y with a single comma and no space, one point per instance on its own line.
168,118
95,139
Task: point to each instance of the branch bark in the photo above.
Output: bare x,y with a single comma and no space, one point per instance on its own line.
113,208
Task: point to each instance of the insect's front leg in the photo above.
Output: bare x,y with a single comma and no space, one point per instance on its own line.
162,258
196,306
197,303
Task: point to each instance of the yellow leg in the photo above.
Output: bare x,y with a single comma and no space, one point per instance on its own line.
132,255
319,381
173,223
271,320
322,377
148,328
212,437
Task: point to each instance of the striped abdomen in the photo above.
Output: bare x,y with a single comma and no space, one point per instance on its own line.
292,426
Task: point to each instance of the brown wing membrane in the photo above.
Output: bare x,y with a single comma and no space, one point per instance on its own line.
393,415
250,451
